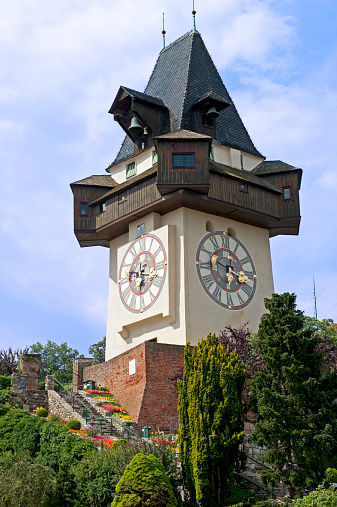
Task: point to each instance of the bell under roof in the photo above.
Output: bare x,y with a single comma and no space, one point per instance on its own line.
183,74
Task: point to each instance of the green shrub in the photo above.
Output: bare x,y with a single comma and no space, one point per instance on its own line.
24,483
41,412
5,382
27,434
7,425
91,431
318,498
54,418
98,473
331,475
74,424
57,442
144,482
240,495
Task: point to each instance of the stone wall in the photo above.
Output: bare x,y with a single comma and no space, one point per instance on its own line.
58,406
139,379
29,399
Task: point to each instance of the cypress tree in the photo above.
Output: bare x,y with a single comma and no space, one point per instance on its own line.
210,420
293,397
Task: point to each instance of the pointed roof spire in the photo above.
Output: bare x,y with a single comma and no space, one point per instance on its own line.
163,32
194,13
183,75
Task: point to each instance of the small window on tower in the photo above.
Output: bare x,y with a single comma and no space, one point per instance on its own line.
286,194
154,157
102,207
130,170
121,198
243,187
183,160
83,209
140,230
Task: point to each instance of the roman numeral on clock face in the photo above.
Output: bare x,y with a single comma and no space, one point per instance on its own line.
225,241
217,293
126,293
246,289
208,281
160,265
208,252
141,244
133,302
214,242
157,281
244,261
157,252
204,265
229,299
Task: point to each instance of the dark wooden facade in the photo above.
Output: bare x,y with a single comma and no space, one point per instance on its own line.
171,178
212,188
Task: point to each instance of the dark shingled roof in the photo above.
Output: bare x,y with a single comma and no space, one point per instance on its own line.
98,180
183,134
241,174
183,74
144,97
273,166
126,184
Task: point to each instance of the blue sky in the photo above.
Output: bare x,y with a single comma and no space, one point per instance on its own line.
61,66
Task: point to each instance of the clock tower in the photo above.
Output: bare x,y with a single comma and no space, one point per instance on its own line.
186,209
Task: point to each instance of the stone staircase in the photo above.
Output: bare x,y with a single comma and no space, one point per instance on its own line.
87,417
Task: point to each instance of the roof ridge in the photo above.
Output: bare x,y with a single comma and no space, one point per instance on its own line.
175,42
187,79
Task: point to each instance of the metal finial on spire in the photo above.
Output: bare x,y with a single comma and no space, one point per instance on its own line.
163,32
194,13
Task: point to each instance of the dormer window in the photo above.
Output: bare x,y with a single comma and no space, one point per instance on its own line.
286,194
182,160
102,207
154,157
130,170
83,209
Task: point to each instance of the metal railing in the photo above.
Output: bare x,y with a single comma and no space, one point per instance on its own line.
100,419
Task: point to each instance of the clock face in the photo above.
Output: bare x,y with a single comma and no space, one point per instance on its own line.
226,270
142,273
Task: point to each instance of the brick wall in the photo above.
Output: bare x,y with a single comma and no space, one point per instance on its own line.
78,365
30,367
145,394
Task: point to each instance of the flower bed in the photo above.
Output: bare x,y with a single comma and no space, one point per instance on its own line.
96,391
113,408
111,399
98,439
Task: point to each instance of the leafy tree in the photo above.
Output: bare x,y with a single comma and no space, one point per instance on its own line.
97,351
57,442
318,498
99,472
56,359
6,394
24,483
293,398
325,327
144,482
7,425
9,360
26,434
244,343
210,420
